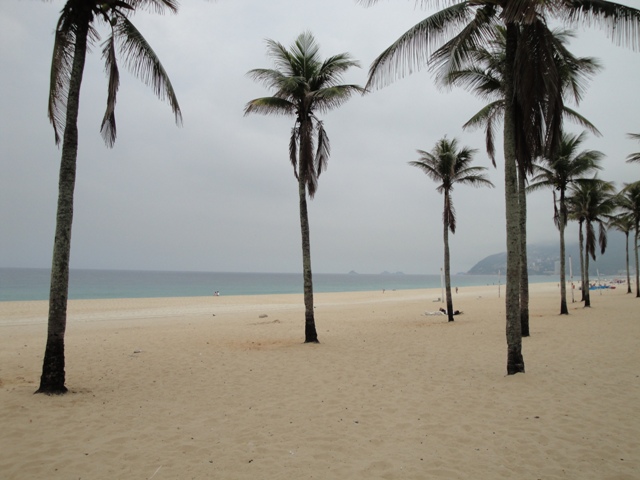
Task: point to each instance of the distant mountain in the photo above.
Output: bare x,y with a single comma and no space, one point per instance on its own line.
542,260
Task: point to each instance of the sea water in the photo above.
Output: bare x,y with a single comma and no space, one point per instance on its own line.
19,284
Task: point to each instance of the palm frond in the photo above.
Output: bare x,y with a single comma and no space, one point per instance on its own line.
329,98
575,72
108,127
474,79
155,6
580,120
411,51
633,157
293,149
488,116
521,12
270,106
620,23
324,149
449,213
270,78
331,70
602,236
556,213
143,62
306,163
466,48
61,63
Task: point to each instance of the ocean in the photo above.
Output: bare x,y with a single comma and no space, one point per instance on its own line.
23,284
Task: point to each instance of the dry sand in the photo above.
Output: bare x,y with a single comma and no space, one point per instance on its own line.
210,388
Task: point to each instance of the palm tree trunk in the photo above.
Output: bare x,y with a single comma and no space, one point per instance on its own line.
628,275
563,272
587,297
52,380
515,361
581,242
310,334
524,273
635,249
447,272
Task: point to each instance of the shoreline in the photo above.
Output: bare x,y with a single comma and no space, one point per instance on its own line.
35,311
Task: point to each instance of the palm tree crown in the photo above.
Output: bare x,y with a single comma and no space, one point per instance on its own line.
566,166
448,37
483,74
304,84
448,165
590,202
139,57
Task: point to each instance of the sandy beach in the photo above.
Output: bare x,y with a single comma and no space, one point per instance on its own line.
224,388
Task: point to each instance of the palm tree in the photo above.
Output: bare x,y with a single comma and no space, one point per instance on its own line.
629,202
623,222
590,202
304,84
75,34
634,157
558,172
532,117
483,74
448,165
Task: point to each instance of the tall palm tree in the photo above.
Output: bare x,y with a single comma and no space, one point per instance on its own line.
629,202
634,157
532,117
590,202
623,222
75,33
304,84
447,165
566,166
483,73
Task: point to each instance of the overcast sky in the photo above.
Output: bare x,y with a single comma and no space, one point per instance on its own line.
218,193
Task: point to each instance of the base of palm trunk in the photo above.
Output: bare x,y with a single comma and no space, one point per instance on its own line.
563,308
515,363
310,334
52,379
52,390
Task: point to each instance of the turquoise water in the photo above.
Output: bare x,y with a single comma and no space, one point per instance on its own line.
33,284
